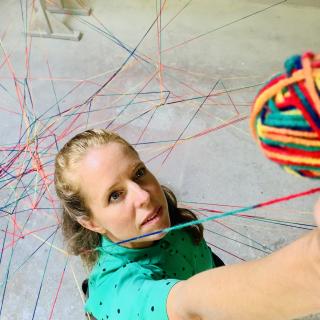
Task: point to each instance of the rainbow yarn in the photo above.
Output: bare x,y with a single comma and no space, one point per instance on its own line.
285,118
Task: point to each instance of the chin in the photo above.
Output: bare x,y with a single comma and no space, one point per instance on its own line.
157,236
160,225
151,239
145,242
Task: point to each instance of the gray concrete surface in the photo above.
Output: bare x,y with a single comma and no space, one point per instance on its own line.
232,45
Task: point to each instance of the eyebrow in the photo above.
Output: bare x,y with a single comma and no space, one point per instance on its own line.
108,189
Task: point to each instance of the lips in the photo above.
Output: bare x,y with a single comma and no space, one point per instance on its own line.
151,216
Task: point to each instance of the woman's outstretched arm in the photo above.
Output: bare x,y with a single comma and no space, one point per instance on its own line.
283,285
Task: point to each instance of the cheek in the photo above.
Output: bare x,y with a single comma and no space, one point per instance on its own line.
158,192
125,215
115,217
154,184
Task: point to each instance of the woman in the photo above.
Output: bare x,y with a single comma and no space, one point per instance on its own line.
108,196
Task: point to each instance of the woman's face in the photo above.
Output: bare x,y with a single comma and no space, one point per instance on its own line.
125,199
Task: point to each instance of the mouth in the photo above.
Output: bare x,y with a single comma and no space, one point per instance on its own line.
152,218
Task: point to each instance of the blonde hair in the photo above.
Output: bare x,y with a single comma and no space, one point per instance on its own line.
81,241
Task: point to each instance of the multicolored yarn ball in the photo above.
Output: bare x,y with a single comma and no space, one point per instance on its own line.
285,118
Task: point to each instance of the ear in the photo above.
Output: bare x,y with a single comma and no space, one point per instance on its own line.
90,224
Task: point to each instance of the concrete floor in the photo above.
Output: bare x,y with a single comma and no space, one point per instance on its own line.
227,45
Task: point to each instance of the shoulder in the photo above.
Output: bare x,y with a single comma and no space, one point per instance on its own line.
175,303
134,283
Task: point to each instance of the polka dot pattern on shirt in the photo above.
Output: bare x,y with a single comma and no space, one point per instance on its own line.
127,282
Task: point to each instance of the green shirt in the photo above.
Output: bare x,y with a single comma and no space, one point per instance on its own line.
128,284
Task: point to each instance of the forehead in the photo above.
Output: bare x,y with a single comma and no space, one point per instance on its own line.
103,166
113,155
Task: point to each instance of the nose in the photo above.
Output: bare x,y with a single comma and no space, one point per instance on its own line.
140,196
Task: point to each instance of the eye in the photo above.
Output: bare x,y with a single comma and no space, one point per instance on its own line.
140,172
114,196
